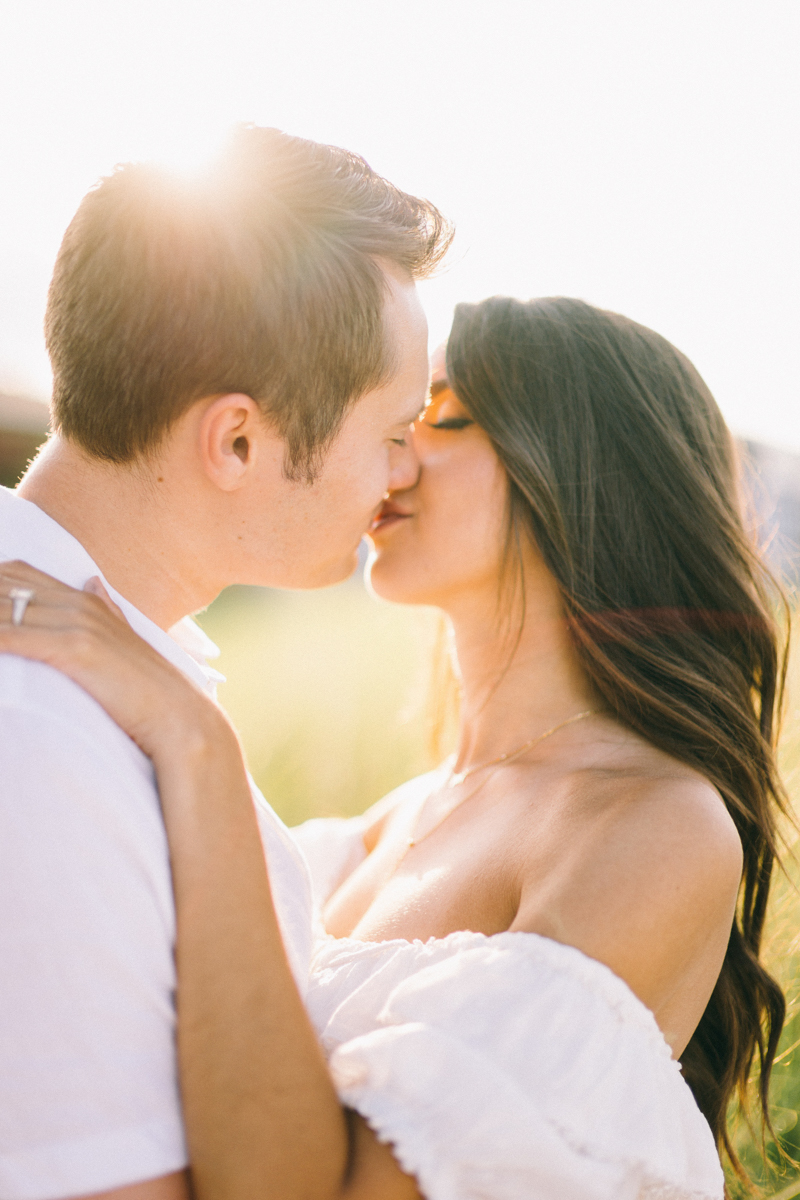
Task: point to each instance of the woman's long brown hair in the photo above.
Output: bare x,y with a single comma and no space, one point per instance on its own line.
623,471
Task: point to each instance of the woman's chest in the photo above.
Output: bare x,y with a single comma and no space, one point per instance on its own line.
466,880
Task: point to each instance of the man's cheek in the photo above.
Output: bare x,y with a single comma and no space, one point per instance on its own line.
365,490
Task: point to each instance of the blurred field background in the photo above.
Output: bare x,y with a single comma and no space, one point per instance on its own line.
330,691
782,953
778,1180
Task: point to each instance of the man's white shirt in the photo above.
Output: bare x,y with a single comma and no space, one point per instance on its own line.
88,1076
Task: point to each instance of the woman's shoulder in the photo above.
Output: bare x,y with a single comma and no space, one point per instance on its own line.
662,816
670,844
657,794
646,881
652,842
640,805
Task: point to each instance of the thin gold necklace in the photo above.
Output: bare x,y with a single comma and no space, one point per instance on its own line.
456,778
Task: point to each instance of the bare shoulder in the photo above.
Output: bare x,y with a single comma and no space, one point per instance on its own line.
673,820
649,822
646,877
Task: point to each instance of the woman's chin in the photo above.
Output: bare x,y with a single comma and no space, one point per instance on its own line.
378,580
388,581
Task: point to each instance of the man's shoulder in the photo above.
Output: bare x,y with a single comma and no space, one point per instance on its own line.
41,709
77,795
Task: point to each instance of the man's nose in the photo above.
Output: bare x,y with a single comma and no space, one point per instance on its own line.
403,466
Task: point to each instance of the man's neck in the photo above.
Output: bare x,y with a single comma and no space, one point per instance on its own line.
124,519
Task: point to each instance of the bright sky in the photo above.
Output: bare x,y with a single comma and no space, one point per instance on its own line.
641,154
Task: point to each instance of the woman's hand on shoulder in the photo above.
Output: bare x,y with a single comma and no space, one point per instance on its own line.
84,635
647,885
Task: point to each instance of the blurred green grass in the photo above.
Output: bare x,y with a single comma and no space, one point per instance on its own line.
776,1179
328,691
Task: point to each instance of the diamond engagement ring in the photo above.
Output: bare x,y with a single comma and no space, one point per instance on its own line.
20,599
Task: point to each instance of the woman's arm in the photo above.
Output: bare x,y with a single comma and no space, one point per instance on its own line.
262,1117
261,1111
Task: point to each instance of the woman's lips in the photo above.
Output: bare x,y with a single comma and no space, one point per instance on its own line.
387,515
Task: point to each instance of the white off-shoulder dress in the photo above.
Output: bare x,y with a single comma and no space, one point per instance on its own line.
509,1067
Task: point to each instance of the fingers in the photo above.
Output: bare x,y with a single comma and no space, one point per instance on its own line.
52,592
21,572
74,627
38,642
79,639
14,574
45,589
50,595
42,612
96,588
42,589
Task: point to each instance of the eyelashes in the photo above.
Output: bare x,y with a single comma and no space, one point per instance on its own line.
451,423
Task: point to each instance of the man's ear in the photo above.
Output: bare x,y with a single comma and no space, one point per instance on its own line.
231,435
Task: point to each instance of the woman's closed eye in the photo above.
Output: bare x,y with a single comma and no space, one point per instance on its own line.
450,423
445,411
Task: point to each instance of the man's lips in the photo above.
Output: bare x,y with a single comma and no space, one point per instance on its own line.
388,514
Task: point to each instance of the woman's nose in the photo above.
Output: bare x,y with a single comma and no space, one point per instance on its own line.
424,444
403,466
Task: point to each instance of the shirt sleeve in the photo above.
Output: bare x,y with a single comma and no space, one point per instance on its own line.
88,1074
333,848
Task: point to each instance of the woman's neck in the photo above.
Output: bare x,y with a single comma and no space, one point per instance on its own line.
516,682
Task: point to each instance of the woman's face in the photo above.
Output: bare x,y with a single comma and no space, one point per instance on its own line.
442,539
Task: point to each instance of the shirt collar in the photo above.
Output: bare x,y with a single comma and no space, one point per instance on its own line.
28,534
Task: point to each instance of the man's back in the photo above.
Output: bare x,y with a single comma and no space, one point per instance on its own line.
88,1080
86,936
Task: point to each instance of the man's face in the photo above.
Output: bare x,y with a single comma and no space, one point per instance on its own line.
310,533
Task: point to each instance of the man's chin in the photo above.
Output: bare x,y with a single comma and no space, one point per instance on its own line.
338,572
320,575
